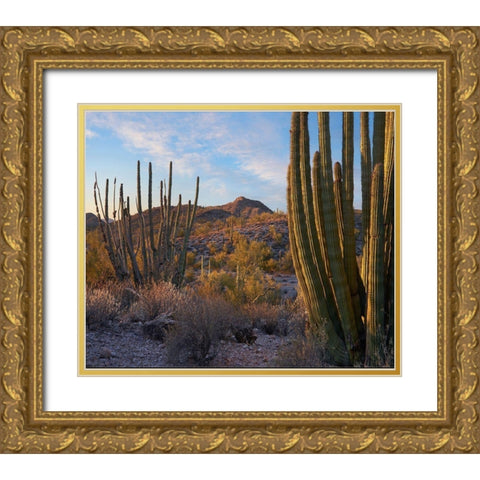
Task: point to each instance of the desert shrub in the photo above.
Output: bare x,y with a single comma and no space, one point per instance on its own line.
212,248
249,254
200,324
251,259
306,349
276,236
244,335
303,351
219,260
189,275
190,259
270,265
253,286
101,307
155,300
285,263
266,217
271,319
98,267
201,227
216,283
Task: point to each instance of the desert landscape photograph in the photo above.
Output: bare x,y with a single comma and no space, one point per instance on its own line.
239,239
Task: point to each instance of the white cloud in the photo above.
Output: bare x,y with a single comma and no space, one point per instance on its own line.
162,141
90,133
270,170
213,145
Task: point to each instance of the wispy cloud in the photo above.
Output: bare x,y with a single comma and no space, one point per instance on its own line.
90,133
223,147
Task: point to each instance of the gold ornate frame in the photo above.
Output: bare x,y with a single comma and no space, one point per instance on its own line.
26,53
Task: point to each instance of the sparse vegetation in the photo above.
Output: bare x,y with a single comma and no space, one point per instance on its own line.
200,324
221,291
97,264
102,306
233,300
154,300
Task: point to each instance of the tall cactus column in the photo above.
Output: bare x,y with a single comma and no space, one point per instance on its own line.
349,254
306,259
351,311
375,281
338,275
389,220
366,169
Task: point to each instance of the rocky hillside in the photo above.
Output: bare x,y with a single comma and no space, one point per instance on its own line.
240,207
273,230
91,221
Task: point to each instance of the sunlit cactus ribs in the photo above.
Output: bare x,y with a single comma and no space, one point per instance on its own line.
349,299
160,252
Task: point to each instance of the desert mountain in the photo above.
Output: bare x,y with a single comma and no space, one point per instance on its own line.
240,207
91,221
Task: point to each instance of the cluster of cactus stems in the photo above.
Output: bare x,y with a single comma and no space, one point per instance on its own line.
349,303
158,254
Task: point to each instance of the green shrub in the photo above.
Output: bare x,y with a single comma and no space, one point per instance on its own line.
253,286
276,236
215,284
285,263
249,254
219,260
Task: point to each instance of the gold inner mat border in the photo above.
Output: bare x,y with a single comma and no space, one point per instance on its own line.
287,107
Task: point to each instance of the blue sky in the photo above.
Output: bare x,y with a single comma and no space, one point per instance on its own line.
234,153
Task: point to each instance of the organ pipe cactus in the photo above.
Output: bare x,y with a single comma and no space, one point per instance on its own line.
305,246
375,282
349,305
162,255
366,169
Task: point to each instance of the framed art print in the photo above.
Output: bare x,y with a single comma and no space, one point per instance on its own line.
239,239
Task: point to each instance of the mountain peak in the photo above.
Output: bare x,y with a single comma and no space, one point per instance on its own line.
240,207
244,207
